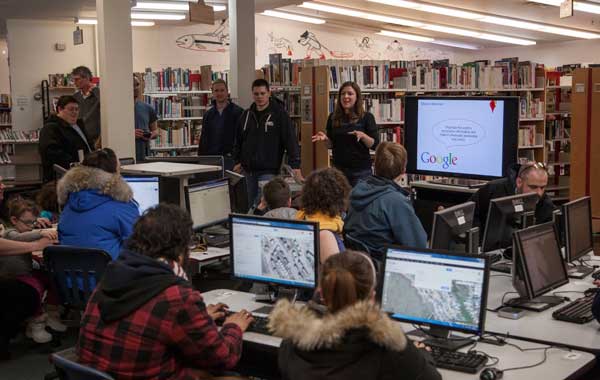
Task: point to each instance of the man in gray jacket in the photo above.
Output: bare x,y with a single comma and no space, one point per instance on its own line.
88,97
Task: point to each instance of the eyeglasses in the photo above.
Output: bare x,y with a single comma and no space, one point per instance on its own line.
531,165
29,223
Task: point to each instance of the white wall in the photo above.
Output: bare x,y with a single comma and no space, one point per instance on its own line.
4,76
32,58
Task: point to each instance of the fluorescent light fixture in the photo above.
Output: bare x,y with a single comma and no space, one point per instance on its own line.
459,45
290,16
405,36
219,8
416,24
504,21
93,21
577,5
157,16
161,6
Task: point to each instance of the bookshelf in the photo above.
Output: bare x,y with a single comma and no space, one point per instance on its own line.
20,162
5,108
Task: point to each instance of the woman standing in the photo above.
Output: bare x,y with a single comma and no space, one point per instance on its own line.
351,133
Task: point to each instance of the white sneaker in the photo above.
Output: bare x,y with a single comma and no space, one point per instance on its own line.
54,322
36,330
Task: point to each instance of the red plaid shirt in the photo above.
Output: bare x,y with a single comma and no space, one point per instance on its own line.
166,338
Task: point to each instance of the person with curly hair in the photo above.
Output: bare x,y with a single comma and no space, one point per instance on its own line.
146,321
324,199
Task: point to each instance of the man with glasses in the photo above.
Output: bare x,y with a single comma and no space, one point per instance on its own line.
264,132
88,97
531,177
63,140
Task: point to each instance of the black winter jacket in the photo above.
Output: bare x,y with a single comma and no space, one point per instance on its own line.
210,143
59,144
359,342
260,144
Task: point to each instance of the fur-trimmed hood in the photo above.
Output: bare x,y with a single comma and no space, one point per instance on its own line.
87,178
309,331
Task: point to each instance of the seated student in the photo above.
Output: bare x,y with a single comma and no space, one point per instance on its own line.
99,210
324,198
48,202
380,211
146,321
531,177
23,216
278,199
353,339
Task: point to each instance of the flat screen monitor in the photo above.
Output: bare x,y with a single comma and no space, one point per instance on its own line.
238,191
443,290
208,203
505,216
469,137
538,267
451,228
275,251
578,228
145,191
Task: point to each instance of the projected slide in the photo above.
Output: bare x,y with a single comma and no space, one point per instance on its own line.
460,136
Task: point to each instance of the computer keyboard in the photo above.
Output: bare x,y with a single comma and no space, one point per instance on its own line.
259,325
578,311
458,361
217,240
596,275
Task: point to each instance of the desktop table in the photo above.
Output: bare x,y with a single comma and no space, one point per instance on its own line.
212,255
540,326
173,177
560,364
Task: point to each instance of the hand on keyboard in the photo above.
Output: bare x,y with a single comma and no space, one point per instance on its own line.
243,319
422,346
217,311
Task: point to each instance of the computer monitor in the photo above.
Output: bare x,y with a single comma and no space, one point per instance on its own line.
443,290
239,192
145,191
578,238
453,230
208,203
461,136
506,215
538,267
274,251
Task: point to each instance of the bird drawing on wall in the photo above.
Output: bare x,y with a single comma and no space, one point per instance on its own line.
278,43
214,41
313,45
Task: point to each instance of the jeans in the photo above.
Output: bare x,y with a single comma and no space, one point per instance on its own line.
355,175
255,182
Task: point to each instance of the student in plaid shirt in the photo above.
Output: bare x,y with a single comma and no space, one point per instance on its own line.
145,321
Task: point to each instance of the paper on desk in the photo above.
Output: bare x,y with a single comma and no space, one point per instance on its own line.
211,251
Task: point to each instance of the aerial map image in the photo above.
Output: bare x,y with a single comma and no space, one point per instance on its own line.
287,258
457,303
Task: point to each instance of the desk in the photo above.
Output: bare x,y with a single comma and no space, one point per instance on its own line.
211,255
173,177
429,196
557,365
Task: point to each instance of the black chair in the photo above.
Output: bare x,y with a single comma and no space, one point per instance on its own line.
67,368
75,271
20,301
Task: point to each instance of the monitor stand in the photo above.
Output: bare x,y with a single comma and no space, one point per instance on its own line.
442,338
538,304
579,271
271,294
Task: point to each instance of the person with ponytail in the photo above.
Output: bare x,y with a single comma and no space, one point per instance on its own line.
353,338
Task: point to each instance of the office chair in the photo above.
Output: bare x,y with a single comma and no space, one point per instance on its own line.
75,271
67,368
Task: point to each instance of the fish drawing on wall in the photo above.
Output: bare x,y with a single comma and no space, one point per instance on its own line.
214,41
365,45
313,45
279,43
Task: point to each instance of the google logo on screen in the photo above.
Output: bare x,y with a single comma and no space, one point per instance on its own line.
446,161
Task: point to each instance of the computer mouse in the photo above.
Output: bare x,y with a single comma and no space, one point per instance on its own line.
491,374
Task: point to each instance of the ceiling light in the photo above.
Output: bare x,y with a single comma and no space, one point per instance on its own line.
577,5
161,6
504,21
219,8
405,36
157,16
415,24
93,21
294,17
456,44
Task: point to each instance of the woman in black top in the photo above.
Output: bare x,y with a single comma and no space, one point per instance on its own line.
351,132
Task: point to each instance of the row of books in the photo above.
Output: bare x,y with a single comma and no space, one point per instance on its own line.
4,100
291,101
281,71
60,80
558,129
391,135
529,137
8,136
383,108
5,117
178,106
185,136
531,107
5,158
177,79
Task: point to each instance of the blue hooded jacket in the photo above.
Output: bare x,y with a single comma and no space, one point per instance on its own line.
99,210
381,214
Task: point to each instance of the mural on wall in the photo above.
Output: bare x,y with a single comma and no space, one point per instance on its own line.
313,45
278,44
367,48
394,50
214,41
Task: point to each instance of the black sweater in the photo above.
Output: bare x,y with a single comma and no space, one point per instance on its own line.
347,152
211,141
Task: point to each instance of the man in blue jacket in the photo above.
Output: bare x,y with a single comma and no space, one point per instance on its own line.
264,132
218,125
380,211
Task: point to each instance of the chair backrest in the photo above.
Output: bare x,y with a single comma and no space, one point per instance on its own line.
68,369
76,271
355,244
213,160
